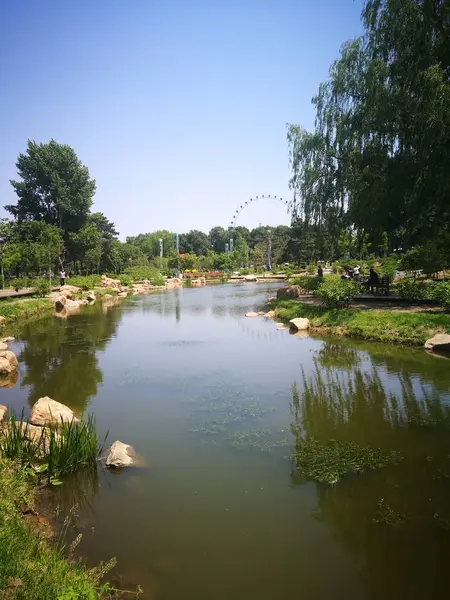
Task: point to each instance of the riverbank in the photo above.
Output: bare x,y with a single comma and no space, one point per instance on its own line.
412,327
30,567
16,311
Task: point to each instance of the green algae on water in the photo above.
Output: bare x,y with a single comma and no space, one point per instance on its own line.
260,439
328,462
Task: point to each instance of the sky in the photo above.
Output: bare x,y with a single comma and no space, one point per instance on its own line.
178,107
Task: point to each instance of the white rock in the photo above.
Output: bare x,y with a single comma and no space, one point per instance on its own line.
3,411
122,294
252,314
91,297
441,341
7,340
299,324
8,362
120,455
270,314
46,410
3,346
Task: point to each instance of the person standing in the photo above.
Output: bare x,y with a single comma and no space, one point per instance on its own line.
62,277
320,271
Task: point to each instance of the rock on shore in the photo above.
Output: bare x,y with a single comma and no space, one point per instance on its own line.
47,411
439,342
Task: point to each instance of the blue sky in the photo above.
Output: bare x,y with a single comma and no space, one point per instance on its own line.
178,107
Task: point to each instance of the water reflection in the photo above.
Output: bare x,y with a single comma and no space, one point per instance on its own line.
63,364
395,521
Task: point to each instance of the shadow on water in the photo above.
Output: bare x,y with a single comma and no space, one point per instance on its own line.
396,520
60,357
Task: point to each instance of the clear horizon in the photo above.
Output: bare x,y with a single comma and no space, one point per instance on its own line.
178,111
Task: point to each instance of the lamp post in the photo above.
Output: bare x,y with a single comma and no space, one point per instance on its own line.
2,244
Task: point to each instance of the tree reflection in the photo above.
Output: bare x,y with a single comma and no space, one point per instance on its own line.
337,355
403,557
60,356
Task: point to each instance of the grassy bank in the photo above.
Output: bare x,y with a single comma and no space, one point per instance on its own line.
31,568
412,328
20,309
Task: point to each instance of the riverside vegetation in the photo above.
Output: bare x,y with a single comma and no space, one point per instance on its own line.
30,567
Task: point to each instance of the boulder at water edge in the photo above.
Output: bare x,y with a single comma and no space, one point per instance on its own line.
7,340
299,324
3,411
290,291
3,346
439,342
69,290
46,411
8,362
270,314
91,297
60,302
120,455
252,314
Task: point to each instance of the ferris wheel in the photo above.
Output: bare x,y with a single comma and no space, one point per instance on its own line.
238,212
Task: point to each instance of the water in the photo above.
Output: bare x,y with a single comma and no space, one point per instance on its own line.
214,403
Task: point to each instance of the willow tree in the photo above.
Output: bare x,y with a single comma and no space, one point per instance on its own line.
378,157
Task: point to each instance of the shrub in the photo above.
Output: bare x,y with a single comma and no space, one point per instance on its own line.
42,287
409,289
440,292
138,273
85,282
311,269
335,291
158,280
20,283
125,279
309,284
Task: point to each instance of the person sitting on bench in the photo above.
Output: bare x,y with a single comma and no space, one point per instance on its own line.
373,283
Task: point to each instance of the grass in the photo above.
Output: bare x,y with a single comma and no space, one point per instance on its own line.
30,568
328,462
412,328
56,451
23,308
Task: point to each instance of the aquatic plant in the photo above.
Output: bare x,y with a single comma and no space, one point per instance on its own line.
261,439
387,515
328,462
55,450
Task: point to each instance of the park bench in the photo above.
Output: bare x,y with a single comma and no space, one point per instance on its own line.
384,285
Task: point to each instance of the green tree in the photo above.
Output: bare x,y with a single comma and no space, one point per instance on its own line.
55,186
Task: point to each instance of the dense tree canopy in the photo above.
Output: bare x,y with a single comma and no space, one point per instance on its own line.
377,161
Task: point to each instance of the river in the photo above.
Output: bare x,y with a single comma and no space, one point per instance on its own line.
213,402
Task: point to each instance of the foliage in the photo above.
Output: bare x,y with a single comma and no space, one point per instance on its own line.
441,294
30,568
20,283
403,327
140,273
413,290
60,449
310,284
55,187
42,287
329,461
19,310
86,282
335,291
376,160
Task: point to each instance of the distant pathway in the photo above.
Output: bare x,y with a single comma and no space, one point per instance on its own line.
21,293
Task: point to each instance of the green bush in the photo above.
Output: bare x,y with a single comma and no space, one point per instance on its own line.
311,269
125,279
409,289
85,282
20,283
440,293
140,272
309,284
42,287
158,280
335,291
